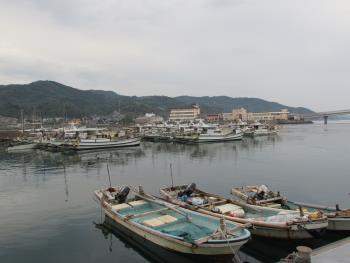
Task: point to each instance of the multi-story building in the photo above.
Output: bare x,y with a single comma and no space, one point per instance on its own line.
269,116
242,114
185,114
227,116
213,117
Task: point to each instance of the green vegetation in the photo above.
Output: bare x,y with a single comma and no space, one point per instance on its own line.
52,99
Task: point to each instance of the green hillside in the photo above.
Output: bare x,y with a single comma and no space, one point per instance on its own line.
52,99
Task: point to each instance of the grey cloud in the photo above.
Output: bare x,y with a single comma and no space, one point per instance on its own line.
294,52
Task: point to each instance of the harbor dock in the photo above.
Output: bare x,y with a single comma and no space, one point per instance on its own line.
337,252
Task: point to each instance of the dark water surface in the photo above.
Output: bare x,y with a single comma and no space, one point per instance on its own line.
47,212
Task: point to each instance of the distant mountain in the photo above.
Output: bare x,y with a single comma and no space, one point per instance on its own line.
52,99
226,104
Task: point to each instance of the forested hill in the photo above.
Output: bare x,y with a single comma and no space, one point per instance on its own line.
52,99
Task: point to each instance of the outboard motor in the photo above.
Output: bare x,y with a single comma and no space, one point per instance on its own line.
122,195
262,190
188,191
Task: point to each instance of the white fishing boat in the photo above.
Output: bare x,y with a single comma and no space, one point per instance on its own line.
267,222
211,134
101,143
158,135
73,131
263,130
170,226
21,146
338,219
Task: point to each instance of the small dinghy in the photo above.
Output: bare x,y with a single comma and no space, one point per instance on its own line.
259,195
171,226
338,219
267,222
18,146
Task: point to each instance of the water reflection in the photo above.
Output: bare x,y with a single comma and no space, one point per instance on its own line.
65,184
48,196
41,162
211,150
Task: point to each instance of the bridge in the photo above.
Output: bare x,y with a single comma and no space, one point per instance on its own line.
326,114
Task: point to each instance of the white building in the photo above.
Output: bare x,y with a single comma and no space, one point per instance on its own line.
149,118
269,116
242,114
149,115
185,114
227,116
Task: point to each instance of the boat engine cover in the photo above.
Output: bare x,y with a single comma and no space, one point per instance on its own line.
122,195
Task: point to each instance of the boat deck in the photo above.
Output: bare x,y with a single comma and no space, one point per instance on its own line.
169,222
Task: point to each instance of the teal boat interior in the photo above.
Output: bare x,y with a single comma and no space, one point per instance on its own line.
175,224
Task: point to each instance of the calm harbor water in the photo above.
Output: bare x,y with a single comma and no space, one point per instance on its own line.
48,213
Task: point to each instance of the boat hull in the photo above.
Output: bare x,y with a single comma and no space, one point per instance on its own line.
23,147
264,133
204,249
104,145
155,252
169,242
335,223
295,233
206,139
339,224
278,230
232,137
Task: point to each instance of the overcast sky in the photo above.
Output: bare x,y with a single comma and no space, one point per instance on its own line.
294,52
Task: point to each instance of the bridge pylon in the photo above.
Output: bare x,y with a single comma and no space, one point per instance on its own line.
325,118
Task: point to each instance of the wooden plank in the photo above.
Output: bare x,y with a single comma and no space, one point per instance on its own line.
147,213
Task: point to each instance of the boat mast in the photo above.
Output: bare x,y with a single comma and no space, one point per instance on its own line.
22,120
64,113
171,175
33,119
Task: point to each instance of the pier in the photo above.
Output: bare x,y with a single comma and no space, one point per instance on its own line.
337,252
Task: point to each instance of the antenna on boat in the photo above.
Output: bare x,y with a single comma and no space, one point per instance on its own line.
171,175
109,177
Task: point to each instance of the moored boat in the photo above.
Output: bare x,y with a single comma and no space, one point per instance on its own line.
100,143
338,219
158,136
170,226
263,130
212,134
267,222
259,195
21,146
